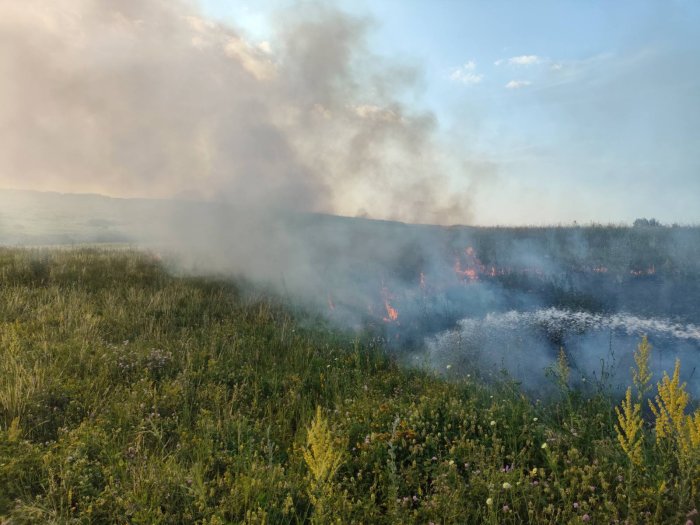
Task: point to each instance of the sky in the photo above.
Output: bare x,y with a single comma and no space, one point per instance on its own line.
445,112
586,111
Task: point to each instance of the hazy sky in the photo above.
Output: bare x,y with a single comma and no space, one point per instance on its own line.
589,111
499,112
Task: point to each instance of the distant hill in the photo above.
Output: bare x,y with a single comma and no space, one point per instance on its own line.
32,217
363,267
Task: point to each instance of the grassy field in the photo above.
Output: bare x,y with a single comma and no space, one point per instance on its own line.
129,395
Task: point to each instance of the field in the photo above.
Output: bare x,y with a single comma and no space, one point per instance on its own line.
131,394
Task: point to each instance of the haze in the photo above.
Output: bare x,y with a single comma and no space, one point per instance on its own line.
446,113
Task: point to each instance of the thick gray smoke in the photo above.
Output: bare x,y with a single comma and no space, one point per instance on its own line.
147,98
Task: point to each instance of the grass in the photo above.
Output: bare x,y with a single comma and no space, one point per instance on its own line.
130,395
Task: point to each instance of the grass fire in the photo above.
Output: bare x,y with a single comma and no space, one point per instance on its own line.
289,262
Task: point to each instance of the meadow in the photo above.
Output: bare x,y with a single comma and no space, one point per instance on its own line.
132,394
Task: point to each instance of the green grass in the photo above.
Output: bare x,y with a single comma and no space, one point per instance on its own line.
129,395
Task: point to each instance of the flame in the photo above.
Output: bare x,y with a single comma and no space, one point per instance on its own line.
648,271
473,266
392,314
468,269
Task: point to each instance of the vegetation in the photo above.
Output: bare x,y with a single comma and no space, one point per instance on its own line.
129,395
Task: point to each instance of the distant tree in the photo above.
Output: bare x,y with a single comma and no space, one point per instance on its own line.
646,223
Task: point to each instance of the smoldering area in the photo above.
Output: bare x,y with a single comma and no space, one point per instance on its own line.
259,160
456,300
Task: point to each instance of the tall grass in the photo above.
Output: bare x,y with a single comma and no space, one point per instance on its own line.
129,395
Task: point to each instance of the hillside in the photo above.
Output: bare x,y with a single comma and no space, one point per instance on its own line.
511,297
130,395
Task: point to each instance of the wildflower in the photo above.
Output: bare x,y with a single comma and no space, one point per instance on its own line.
585,517
321,456
575,504
493,423
448,367
506,485
629,428
506,508
535,419
489,501
544,446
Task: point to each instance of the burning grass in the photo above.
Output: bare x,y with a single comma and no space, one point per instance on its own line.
128,395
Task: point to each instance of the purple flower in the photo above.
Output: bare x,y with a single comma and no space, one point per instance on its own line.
585,517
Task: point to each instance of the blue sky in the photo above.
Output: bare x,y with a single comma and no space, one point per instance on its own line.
586,110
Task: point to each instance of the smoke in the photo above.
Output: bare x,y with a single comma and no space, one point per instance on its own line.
148,98
599,347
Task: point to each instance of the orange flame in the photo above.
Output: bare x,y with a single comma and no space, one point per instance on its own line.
474,266
391,313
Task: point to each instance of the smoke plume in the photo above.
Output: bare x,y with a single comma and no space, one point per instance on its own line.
252,142
148,98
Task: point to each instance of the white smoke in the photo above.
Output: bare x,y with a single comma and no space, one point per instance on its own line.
148,98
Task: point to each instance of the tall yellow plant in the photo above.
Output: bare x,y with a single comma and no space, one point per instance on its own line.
629,428
321,456
671,421
323,460
693,423
669,406
641,375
